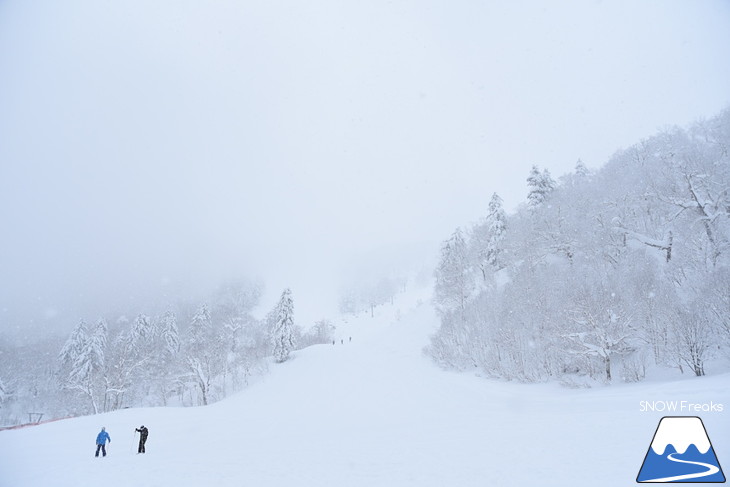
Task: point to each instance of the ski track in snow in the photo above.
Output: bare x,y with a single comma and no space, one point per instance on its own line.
373,412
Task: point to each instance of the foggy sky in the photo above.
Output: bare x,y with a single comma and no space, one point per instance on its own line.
149,150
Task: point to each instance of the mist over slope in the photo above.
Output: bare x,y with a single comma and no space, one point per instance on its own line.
151,151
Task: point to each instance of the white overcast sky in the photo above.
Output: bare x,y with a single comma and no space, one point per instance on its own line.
151,149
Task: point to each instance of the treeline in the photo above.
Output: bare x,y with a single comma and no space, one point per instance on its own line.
191,355
598,275
366,296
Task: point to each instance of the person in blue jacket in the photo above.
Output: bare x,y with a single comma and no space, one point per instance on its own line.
101,440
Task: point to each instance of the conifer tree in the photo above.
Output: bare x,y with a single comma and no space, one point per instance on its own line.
540,184
497,221
282,335
201,327
73,346
142,333
98,343
581,171
82,361
170,334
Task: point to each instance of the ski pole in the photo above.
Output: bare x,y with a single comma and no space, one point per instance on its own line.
134,437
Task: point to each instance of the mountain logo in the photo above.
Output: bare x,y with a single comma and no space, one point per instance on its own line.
680,452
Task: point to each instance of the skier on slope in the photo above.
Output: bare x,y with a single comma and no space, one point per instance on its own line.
143,432
101,440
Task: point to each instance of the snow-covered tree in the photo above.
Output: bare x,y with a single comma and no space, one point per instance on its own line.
603,326
200,330
454,277
200,352
603,271
142,333
139,362
99,338
581,172
540,185
486,240
169,333
82,360
497,220
323,331
694,336
73,347
3,392
234,300
163,368
125,367
718,304
282,335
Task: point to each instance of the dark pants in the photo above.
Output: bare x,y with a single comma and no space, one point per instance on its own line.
141,445
102,448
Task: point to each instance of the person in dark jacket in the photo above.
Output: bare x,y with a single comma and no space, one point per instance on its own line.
101,440
143,432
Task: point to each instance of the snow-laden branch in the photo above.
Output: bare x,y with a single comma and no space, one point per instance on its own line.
664,244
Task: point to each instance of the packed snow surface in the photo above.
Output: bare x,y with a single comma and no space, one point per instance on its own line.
374,411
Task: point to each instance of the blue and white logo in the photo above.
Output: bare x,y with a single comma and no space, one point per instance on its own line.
681,452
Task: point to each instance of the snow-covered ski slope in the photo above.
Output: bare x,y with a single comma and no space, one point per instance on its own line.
372,412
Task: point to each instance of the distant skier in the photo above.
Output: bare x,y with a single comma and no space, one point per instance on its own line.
101,440
143,432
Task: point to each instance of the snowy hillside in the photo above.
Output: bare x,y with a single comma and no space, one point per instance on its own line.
374,411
